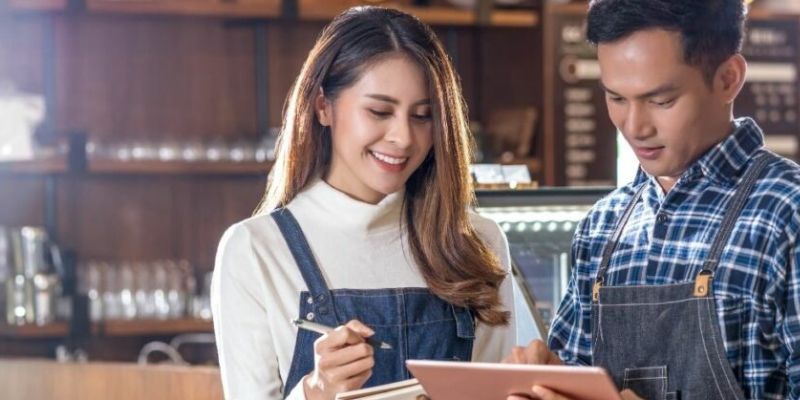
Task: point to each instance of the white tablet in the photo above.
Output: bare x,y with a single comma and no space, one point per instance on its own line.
452,380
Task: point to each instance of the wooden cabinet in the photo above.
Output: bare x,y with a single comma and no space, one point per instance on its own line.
39,379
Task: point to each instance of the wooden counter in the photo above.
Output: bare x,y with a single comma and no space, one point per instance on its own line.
23,379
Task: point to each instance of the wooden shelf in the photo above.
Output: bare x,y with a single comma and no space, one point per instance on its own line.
322,10
54,330
37,5
576,8
506,186
35,166
212,8
179,167
514,18
772,8
152,327
767,10
534,164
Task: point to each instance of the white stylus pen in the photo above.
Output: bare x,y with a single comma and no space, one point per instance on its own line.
323,329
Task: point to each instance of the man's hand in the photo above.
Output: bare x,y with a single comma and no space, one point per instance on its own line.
547,394
536,353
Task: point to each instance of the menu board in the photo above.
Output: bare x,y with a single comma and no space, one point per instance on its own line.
584,137
770,94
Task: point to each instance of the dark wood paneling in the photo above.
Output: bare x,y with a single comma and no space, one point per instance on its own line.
487,83
119,218
154,77
146,218
21,47
460,45
21,200
288,45
517,79
209,206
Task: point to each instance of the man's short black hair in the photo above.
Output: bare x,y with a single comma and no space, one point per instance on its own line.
711,30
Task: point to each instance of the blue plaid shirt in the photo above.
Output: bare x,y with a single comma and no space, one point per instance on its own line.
757,283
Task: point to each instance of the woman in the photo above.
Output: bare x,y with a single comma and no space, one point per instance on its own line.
366,219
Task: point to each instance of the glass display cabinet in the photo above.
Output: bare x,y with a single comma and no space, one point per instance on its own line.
539,225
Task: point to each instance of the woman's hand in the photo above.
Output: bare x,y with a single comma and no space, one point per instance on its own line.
342,361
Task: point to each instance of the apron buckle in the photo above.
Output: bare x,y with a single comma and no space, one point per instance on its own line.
702,283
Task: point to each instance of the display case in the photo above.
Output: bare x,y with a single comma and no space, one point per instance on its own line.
539,225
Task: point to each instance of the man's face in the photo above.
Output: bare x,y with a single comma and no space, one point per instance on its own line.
663,106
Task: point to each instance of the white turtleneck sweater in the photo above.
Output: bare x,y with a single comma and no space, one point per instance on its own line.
257,284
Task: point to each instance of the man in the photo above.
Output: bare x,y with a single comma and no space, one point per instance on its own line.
650,300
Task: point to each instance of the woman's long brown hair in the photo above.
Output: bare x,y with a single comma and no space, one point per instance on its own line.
455,262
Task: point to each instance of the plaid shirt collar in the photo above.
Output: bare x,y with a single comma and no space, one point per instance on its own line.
723,163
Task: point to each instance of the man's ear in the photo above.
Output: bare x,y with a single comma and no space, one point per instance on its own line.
730,76
323,109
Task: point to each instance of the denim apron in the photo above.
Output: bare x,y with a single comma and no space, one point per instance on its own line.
665,341
416,323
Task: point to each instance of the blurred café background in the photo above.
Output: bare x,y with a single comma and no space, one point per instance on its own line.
133,132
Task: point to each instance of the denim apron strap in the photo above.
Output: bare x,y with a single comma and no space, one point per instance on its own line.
735,209
608,250
465,323
320,295
702,281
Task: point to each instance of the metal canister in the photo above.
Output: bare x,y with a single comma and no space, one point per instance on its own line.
34,247
46,291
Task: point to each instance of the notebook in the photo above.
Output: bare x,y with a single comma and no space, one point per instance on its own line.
403,390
